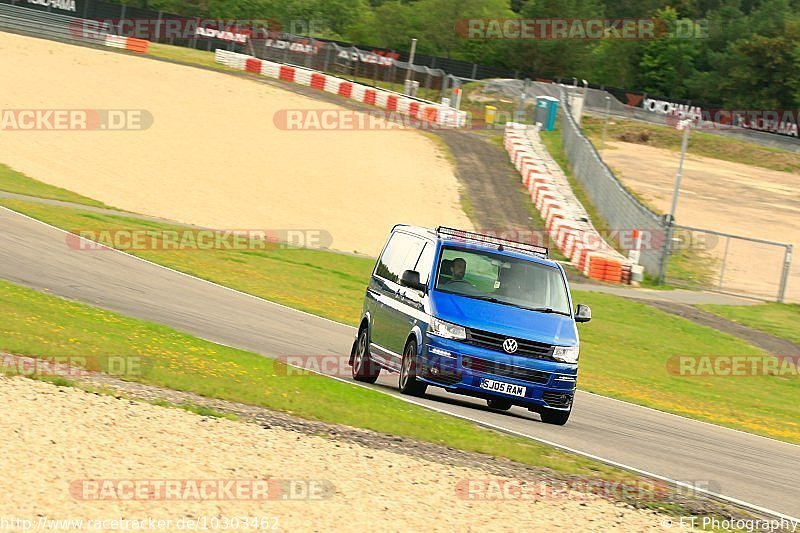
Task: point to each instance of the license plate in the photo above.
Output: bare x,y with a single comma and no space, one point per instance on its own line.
505,388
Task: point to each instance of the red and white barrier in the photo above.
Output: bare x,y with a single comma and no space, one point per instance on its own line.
126,43
392,102
566,220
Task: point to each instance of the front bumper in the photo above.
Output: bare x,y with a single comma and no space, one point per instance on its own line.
460,367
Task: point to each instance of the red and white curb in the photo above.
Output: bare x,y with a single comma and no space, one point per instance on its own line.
392,102
566,220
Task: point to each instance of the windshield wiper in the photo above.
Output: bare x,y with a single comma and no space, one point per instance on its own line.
547,310
498,301
537,309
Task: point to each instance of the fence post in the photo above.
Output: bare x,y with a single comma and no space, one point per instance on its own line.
326,67
158,27
787,264
662,275
724,262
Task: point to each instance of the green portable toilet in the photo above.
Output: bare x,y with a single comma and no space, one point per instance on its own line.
546,112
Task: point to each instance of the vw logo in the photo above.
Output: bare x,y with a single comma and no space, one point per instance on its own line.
510,345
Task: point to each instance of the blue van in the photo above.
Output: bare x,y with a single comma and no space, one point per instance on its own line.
475,315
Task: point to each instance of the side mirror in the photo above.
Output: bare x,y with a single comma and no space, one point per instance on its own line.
583,313
410,278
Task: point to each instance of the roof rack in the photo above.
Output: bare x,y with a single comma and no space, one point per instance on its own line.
464,235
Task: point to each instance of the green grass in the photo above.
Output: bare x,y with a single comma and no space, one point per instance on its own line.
433,95
625,348
700,143
185,55
324,283
40,325
776,319
691,267
196,409
17,182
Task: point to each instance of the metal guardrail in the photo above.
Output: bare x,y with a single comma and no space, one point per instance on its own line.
26,21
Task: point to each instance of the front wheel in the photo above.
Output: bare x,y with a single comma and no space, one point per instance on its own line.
408,382
364,368
554,416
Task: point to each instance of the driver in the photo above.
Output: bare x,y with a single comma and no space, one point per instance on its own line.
458,268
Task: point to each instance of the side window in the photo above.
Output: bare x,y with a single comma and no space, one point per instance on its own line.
425,264
400,254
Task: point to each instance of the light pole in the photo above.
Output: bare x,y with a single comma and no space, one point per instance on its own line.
410,63
685,125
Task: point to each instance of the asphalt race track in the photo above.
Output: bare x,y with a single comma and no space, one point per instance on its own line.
752,469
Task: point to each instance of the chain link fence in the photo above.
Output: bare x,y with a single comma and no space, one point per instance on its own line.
602,102
732,264
620,210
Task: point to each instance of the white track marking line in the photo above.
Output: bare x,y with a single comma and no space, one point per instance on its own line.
306,313
463,417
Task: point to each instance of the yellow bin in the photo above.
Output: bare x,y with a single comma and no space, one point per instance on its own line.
490,112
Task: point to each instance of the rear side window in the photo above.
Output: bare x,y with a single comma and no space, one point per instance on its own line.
400,254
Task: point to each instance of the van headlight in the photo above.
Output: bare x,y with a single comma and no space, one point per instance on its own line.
440,328
565,354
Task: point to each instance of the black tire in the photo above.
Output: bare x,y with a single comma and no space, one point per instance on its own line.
364,368
554,416
499,403
408,382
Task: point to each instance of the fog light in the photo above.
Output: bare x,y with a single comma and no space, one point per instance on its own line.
438,351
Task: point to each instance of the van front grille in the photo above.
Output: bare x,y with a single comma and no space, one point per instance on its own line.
494,341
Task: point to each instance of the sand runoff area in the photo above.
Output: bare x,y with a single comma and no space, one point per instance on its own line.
73,455
726,197
213,155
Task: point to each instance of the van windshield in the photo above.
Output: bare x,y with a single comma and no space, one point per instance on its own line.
502,279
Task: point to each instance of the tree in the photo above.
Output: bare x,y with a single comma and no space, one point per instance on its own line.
668,61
